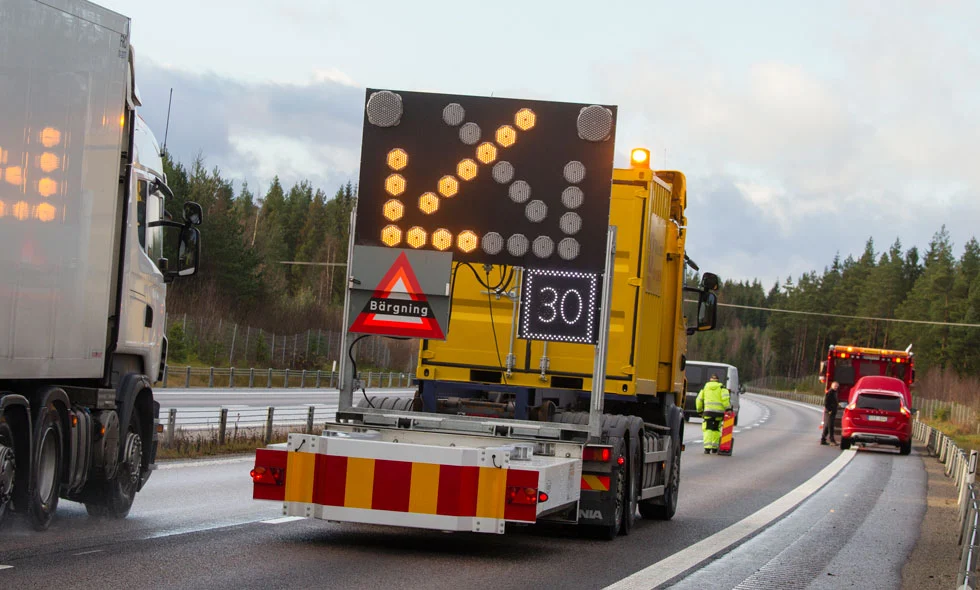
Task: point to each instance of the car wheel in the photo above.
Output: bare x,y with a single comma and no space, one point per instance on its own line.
845,443
905,448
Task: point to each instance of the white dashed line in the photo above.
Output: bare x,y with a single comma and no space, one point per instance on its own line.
89,552
6,567
182,464
284,520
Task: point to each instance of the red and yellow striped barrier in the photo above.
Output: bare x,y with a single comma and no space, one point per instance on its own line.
727,434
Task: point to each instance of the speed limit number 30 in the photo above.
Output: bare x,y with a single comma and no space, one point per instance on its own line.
559,306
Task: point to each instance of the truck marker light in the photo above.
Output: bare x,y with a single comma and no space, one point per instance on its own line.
640,158
574,172
393,210
442,239
602,454
45,212
14,175
470,133
453,114
395,184
503,172
621,460
416,237
391,235
448,186
467,169
542,497
21,210
525,119
493,243
519,191
536,211
397,159
467,241
50,137
572,197
570,223
543,246
122,120
47,187
429,203
48,162
519,495
486,152
506,136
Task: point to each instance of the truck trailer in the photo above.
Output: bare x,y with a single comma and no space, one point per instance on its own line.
83,267
509,425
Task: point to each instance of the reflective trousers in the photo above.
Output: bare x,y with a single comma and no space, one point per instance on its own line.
711,428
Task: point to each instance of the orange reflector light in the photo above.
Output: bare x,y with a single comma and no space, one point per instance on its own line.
640,158
159,429
268,476
74,420
596,454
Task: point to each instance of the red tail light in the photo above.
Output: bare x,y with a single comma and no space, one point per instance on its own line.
905,411
621,460
603,454
542,497
518,495
269,476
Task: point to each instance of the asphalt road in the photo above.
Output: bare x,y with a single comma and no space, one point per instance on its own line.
195,526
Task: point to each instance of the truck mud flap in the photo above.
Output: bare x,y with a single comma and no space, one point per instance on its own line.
598,497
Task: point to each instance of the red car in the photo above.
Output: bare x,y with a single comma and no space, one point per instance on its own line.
878,412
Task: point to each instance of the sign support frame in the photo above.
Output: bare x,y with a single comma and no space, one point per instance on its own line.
598,398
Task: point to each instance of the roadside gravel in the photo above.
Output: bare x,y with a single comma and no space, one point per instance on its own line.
935,559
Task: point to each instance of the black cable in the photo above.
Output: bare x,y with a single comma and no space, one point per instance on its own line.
493,327
350,355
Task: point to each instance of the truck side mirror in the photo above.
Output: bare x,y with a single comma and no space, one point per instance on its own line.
707,311
188,251
710,281
193,214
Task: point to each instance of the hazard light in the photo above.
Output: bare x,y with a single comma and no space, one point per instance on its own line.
442,239
46,187
50,137
397,159
506,136
416,237
48,162
45,212
640,158
467,241
429,203
391,235
466,169
486,153
448,186
393,210
525,119
3,209
13,175
395,185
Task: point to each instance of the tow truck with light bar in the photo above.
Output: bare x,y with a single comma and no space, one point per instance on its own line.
531,266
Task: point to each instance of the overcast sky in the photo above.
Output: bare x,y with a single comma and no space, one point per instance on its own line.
803,128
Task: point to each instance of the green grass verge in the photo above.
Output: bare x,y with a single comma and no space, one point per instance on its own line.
965,437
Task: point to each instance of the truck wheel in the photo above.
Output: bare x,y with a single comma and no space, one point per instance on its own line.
610,531
665,507
8,469
634,470
906,447
117,494
45,483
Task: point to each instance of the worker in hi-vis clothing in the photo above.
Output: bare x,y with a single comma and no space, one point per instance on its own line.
712,403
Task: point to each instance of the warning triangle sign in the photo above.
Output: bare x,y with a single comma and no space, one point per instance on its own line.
398,307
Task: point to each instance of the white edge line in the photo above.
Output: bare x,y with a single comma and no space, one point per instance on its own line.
6,567
686,559
89,552
182,464
284,520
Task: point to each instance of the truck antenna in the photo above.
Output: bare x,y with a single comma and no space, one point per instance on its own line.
166,130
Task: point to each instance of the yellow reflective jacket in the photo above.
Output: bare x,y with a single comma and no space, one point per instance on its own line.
713,398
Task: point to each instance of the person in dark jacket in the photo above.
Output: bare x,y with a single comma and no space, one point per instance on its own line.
829,414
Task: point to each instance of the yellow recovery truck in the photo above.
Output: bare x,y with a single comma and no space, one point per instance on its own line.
508,429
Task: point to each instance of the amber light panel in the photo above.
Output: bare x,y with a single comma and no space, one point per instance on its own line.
47,187
48,162
50,137
393,210
466,169
397,159
45,212
525,119
429,203
3,208
442,239
391,235
467,241
14,175
395,184
448,186
486,152
506,136
416,237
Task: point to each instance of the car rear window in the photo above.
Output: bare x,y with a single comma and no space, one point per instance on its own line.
877,401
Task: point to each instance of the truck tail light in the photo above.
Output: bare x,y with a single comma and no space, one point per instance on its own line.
603,454
525,496
269,476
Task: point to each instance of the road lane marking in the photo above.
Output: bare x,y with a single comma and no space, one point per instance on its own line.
284,520
182,464
686,559
89,552
6,567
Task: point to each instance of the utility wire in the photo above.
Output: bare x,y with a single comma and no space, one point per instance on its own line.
849,317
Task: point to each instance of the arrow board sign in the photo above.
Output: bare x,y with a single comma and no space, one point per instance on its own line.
401,293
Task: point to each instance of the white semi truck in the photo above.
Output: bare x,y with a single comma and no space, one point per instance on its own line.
83,267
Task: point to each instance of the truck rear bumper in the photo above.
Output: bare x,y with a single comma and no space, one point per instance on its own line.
378,477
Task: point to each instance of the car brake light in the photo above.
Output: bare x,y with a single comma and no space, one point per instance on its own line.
269,476
603,454
905,411
519,495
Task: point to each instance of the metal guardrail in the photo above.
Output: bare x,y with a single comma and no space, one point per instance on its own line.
960,465
210,377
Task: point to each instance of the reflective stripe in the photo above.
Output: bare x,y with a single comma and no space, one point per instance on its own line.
491,493
299,477
359,490
424,494
596,483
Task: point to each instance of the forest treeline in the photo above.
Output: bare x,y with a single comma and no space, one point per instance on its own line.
248,237
935,285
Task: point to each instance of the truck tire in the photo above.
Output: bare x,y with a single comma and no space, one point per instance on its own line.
634,470
8,469
609,532
664,507
45,477
116,496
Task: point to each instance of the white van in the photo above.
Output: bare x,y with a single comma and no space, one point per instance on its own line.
698,373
